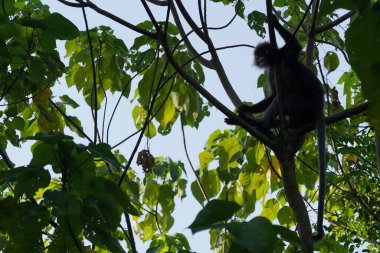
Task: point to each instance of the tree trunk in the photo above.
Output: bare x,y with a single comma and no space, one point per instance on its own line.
294,197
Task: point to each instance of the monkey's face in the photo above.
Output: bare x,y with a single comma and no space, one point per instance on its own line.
264,55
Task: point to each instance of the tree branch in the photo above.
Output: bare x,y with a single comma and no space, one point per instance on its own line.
295,198
75,5
158,2
311,38
6,159
333,118
188,44
189,20
118,20
336,22
215,58
377,144
337,47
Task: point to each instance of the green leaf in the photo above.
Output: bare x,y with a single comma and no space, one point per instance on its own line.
205,158
256,22
103,150
197,192
228,151
106,240
8,30
262,81
33,22
280,3
331,61
23,225
5,56
6,5
361,38
239,8
43,154
285,216
28,179
166,113
18,123
61,27
328,7
69,101
120,197
257,235
287,234
63,203
215,211
72,127
211,183
175,171
50,138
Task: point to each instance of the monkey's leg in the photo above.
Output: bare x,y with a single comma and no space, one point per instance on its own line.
300,109
268,120
258,107
250,120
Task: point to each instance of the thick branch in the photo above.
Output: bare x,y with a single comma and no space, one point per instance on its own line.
377,144
294,198
6,159
215,59
311,39
190,21
158,2
334,118
118,20
336,22
184,37
75,5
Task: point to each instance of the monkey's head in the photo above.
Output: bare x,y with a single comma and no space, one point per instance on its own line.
264,55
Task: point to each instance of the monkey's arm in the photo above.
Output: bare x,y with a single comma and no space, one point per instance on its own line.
292,43
256,108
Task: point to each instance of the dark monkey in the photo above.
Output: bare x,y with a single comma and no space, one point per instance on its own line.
303,100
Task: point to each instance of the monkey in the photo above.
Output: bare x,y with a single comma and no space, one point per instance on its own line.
303,101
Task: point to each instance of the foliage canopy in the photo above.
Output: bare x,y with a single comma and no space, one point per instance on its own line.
74,197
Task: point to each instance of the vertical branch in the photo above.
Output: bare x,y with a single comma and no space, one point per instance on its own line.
191,164
94,91
295,199
216,61
377,143
130,238
311,39
272,35
277,65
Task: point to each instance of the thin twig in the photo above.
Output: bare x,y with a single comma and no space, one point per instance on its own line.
191,164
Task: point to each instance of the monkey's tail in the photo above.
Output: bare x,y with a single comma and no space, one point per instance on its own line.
321,135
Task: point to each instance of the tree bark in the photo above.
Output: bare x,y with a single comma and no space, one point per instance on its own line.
294,197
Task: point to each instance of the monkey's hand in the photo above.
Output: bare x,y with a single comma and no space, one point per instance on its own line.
230,121
243,108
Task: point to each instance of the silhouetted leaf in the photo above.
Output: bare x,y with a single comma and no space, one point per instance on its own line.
215,211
